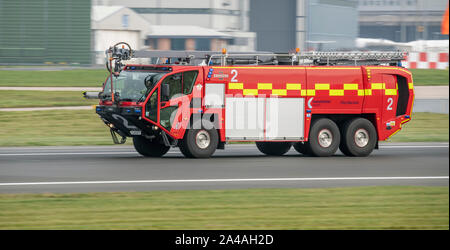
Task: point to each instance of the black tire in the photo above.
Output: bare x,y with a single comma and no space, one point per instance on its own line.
149,148
302,148
189,146
327,128
349,145
274,148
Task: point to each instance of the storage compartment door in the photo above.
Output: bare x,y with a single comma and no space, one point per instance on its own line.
285,118
214,95
244,118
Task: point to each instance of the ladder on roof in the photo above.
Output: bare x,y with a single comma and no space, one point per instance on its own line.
355,58
170,57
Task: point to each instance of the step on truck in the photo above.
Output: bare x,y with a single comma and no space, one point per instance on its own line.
317,102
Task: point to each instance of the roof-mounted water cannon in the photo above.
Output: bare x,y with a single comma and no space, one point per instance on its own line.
116,54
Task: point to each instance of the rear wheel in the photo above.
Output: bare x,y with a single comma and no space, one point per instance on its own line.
359,137
324,137
274,148
149,148
199,143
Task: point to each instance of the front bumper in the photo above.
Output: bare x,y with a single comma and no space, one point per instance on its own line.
126,121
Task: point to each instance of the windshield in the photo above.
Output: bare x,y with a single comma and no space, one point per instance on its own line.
131,84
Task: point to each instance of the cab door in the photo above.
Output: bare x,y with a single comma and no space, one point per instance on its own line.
174,100
170,89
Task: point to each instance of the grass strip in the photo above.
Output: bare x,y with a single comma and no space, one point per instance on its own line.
324,208
53,128
21,99
58,78
430,77
424,127
83,127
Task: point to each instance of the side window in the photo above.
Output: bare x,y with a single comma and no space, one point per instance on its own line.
175,83
188,81
151,109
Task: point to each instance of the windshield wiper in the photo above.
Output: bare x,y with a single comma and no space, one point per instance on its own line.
141,99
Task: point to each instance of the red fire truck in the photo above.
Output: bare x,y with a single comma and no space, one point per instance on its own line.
317,102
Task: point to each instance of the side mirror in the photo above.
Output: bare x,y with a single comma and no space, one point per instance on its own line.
165,91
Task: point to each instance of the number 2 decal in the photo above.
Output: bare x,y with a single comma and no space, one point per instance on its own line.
234,73
390,102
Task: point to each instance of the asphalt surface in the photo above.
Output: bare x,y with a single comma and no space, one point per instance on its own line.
120,168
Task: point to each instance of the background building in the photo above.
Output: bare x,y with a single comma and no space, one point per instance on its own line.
226,21
402,20
45,31
113,24
307,24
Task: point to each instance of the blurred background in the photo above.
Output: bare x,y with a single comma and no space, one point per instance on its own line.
52,50
77,32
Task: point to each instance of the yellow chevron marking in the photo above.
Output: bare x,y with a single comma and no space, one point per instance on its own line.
293,86
336,92
250,92
350,86
322,86
236,86
390,92
318,86
264,85
378,86
279,92
310,92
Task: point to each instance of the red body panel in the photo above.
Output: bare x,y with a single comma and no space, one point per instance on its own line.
370,91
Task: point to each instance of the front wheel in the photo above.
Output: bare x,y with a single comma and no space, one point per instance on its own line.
200,143
149,148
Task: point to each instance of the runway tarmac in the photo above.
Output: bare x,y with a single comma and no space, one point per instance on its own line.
120,168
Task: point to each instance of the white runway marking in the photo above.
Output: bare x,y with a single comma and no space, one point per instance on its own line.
225,180
413,146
